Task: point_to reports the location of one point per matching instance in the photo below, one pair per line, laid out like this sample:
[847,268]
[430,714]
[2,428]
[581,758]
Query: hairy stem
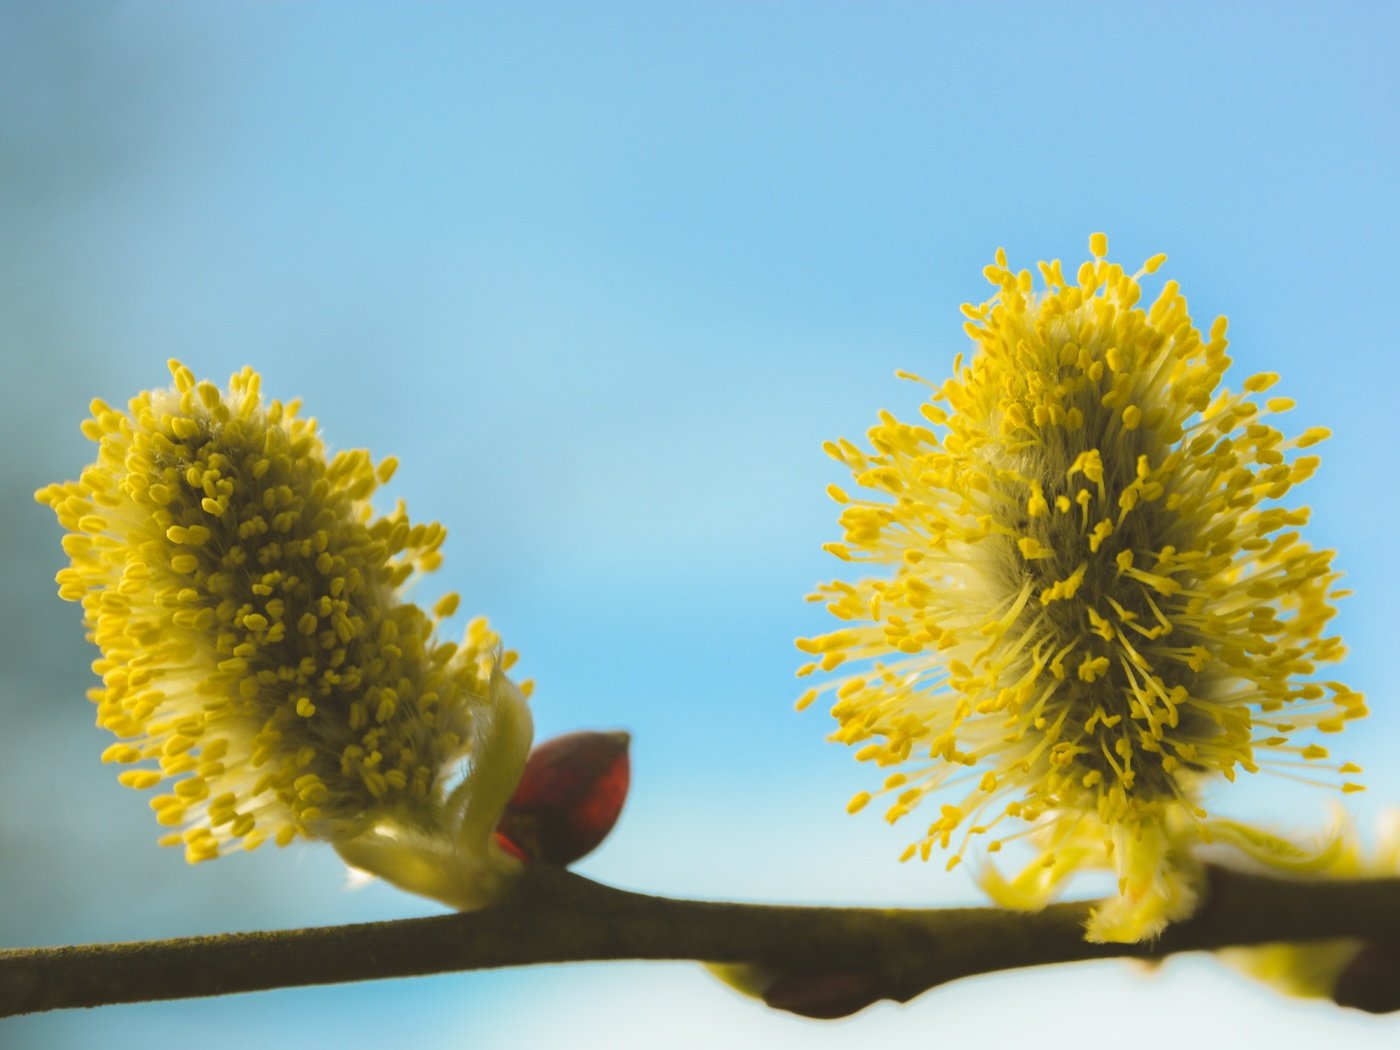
[557,917]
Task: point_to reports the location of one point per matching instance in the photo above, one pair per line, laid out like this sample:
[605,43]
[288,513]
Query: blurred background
[604,276]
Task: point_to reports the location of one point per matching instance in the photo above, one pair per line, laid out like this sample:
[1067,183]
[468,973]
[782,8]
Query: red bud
[1372,980]
[826,994]
[569,797]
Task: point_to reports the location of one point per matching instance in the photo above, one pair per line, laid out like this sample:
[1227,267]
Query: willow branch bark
[557,917]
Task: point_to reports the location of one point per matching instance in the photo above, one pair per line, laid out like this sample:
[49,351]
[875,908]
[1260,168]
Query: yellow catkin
[257,660]
[1163,626]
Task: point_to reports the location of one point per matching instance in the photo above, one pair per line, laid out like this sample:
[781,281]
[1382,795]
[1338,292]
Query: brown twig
[558,917]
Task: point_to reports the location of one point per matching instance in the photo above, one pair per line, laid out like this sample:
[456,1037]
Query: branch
[554,916]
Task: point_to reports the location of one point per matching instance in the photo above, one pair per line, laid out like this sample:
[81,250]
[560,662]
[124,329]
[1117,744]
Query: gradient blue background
[604,277]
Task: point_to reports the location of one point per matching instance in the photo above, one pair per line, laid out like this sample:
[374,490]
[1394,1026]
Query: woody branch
[556,917]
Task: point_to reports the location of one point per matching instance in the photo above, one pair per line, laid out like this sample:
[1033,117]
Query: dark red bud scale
[827,994]
[569,797]
[1372,981]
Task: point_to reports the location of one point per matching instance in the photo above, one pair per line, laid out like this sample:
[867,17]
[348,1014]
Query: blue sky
[604,277]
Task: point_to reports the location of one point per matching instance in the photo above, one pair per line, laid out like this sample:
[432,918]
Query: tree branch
[555,917]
